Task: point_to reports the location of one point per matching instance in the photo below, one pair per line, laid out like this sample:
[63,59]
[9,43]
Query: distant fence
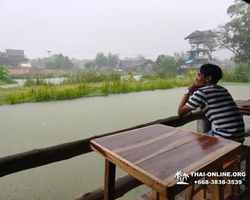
[39,71]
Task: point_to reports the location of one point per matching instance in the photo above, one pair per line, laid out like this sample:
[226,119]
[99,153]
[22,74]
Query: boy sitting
[216,103]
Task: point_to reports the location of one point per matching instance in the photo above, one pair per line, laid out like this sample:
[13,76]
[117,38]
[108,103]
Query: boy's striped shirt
[220,108]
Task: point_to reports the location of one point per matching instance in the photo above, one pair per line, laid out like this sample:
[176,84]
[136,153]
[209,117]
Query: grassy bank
[53,92]
[233,83]
[7,81]
[92,83]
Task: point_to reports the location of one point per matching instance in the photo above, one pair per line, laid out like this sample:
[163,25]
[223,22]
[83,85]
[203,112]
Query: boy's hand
[192,88]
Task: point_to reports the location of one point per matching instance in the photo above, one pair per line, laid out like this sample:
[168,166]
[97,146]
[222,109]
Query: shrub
[92,77]
[229,76]
[242,72]
[32,81]
[4,74]
[165,74]
[148,77]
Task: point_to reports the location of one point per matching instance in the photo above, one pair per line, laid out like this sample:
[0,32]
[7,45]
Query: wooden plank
[244,106]
[206,168]
[134,137]
[164,165]
[216,159]
[242,103]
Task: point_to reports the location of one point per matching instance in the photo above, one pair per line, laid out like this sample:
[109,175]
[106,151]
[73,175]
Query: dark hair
[211,70]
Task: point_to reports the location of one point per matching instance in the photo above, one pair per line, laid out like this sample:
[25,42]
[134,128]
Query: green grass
[38,91]
[90,84]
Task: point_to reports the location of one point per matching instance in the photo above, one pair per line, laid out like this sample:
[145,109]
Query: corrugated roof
[200,33]
[133,63]
[14,52]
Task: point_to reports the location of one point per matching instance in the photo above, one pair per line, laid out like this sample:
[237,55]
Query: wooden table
[244,106]
[153,155]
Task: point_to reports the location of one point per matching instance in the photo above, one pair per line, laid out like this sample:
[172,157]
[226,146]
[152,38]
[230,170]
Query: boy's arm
[183,109]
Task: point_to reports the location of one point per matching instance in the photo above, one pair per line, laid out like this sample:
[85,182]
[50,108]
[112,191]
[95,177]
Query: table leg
[236,188]
[109,182]
[247,171]
[218,190]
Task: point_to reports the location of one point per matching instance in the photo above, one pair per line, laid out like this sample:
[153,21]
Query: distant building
[17,59]
[38,66]
[143,65]
[201,48]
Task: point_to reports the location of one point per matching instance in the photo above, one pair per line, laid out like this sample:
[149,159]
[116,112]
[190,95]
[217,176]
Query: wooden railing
[39,157]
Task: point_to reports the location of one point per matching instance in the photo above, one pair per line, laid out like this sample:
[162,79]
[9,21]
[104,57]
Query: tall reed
[51,92]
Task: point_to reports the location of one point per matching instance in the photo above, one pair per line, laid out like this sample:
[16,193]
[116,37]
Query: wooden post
[109,182]
[203,125]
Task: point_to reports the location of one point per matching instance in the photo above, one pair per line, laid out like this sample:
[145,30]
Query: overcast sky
[81,28]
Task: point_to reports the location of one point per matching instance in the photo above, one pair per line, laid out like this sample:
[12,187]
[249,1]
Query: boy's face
[202,81]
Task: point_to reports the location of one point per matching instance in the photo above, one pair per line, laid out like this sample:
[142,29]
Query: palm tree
[181,176]
[185,176]
[178,175]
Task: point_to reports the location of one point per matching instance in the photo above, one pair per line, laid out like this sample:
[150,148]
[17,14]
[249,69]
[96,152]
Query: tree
[113,60]
[3,58]
[54,62]
[139,57]
[61,62]
[235,35]
[89,65]
[165,63]
[42,61]
[181,56]
[4,73]
[127,58]
[78,63]
[101,60]
[10,63]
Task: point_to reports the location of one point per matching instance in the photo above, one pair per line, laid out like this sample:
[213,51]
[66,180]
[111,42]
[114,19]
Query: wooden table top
[153,154]
[244,106]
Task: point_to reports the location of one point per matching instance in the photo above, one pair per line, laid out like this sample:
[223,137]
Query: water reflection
[209,143]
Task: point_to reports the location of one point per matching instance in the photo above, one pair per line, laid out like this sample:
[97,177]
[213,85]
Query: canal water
[38,125]
[20,82]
